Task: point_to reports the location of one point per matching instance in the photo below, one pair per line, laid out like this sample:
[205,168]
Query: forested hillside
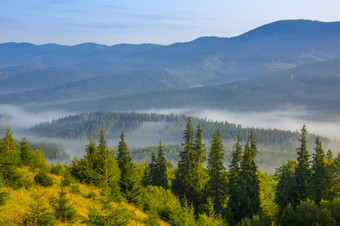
[85,125]
[200,190]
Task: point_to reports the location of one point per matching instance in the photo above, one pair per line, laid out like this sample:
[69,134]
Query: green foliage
[38,161]
[38,213]
[43,179]
[234,184]
[58,169]
[157,170]
[4,196]
[308,213]
[62,210]
[25,154]
[302,171]
[285,193]
[249,193]
[320,178]
[119,216]
[190,177]
[217,184]
[160,201]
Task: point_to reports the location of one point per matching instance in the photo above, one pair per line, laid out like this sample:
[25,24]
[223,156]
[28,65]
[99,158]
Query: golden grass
[13,212]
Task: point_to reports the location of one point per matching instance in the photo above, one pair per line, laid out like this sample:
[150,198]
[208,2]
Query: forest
[199,190]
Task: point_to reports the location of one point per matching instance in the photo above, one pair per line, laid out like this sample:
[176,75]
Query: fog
[289,118]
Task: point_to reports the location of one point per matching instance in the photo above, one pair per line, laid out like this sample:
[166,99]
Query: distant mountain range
[285,62]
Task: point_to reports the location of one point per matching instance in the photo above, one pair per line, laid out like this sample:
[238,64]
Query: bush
[43,179]
[3,197]
[14,179]
[58,169]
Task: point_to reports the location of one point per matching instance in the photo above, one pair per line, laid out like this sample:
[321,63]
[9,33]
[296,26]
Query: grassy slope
[13,211]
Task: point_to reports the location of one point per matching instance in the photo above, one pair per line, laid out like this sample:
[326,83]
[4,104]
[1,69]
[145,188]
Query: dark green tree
[249,182]
[183,183]
[123,157]
[153,168]
[285,175]
[234,205]
[62,209]
[302,172]
[38,213]
[319,176]
[25,152]
[161,175]
[129,182]
[216,185]
[199,172]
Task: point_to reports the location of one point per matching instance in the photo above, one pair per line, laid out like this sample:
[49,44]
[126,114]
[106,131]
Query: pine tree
[26,153]
[62,210]
[199,173]
[285,193]
[128,182]
[153,168]
[216,185]
[183,184]
[38,213]
[234,206]
[319,176]
[249,182]
[302,172]
[123,158]
[161,178]
[9,155]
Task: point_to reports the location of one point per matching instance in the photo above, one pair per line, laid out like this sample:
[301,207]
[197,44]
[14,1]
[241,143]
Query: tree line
[200,190]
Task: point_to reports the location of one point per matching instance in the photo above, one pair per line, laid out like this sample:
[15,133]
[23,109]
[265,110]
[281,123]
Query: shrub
[43,179]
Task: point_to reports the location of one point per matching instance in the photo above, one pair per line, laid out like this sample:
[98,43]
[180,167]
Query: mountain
[241,72]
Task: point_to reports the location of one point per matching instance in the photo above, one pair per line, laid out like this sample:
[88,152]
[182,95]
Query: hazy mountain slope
[88,71]
[314,86]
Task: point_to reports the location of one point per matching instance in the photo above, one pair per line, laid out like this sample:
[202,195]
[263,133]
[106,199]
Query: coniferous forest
[105,187]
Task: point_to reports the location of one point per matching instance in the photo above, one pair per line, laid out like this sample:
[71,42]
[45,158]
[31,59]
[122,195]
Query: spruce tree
[216,185]
[183,184]
[161,178]
[153,168]
[62,210]
[234,205]
[249,182]
[25,152]
[38,213]
[129,183]
[199,173]
[123,158]
[302,172]
[319,176]
[285,188]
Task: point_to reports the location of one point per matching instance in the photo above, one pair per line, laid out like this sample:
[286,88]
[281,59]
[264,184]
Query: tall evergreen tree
[285,188]
[183,183]
[319,176]
[216,185]
[234,206]
[62,210]
[9,155]
[302,172]
[25,152]
[249,182]
[129,183]
[123,158]
[161,175]
[199,177]
[153,168]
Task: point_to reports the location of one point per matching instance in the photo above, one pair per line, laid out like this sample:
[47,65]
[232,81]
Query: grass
[13,212]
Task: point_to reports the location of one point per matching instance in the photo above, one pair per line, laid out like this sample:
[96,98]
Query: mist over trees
[301,192]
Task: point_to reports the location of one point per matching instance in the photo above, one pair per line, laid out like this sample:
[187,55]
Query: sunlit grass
[13,212]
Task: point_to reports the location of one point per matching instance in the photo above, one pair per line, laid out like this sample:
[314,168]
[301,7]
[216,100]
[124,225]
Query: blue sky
[147,21]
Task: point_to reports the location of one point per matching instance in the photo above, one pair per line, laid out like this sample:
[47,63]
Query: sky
[110,22]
